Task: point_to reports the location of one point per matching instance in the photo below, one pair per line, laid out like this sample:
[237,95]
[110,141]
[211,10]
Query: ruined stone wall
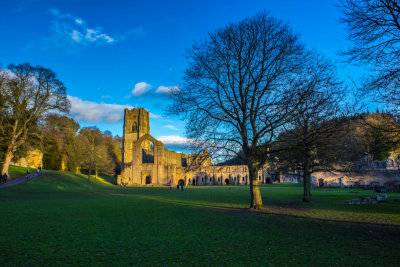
[147,161]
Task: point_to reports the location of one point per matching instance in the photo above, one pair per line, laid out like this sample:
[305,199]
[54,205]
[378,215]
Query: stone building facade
[145,160]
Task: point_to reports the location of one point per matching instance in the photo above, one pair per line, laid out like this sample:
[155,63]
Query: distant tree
[96,156]
[241,86]
[51,154]
[28,93]
[377,136]
[117,154]
[64,130]
[76,153]
[103,162]
[114,152]
[374,28]
[307,145]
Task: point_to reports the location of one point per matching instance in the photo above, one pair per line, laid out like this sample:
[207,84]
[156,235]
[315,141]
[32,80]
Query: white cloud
[171,127]
[105,96]
[76,36]
[155,116]
[79,21]
[141,88]
[92,112]
[173,140]
[167,89]
[75,29]
[96,34]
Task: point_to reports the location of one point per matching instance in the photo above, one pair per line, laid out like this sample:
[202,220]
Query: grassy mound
[61,218]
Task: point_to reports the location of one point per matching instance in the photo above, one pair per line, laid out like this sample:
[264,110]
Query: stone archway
[181,181]
[148,179]
[226,181]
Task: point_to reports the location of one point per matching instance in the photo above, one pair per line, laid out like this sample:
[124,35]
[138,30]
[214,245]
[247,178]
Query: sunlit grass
[61,218]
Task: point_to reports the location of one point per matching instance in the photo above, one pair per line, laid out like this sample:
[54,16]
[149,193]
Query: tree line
[33,109]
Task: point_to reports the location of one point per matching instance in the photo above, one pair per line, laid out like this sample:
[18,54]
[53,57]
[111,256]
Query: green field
[61,219]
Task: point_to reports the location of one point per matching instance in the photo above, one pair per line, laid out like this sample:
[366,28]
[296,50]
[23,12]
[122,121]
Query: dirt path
[21,179]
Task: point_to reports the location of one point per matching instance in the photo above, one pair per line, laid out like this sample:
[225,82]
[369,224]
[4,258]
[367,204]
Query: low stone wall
[358,179]
[367,200]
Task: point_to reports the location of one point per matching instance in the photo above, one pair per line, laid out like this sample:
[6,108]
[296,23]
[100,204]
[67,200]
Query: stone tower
[136,124]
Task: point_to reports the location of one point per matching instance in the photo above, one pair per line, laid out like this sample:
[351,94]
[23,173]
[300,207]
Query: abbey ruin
[145,160]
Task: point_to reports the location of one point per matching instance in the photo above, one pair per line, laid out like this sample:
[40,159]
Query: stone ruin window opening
[147,151]
[134,127]
[226,181]
[148,179]
[151,146]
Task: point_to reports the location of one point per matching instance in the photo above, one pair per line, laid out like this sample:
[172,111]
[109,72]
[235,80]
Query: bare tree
[241,86]
[374,28]
[307,144]
[28,93]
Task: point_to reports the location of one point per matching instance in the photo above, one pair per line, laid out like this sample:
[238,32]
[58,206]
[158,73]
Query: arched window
[147,151]
[134,127]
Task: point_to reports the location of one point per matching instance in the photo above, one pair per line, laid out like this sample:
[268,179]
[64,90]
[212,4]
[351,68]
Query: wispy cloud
[166,89]
[155,116]
[75,29]
[171,127]
[92,112]
[173,140]
[73,32]
[141,88]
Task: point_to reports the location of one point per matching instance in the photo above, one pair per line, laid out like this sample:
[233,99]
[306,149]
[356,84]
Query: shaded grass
[61,218]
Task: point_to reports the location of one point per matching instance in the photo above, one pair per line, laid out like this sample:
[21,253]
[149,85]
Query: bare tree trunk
[307,185]
[255,195]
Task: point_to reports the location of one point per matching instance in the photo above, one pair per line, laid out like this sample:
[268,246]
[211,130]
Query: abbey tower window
[134,127]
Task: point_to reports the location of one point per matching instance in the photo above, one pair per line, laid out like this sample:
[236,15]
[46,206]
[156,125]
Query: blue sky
[117,54]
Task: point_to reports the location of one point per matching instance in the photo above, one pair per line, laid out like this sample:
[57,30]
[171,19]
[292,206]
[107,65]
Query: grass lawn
[61,219]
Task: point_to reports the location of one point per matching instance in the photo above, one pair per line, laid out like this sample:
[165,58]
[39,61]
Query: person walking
[27,175]
[182,184]
[170,188]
